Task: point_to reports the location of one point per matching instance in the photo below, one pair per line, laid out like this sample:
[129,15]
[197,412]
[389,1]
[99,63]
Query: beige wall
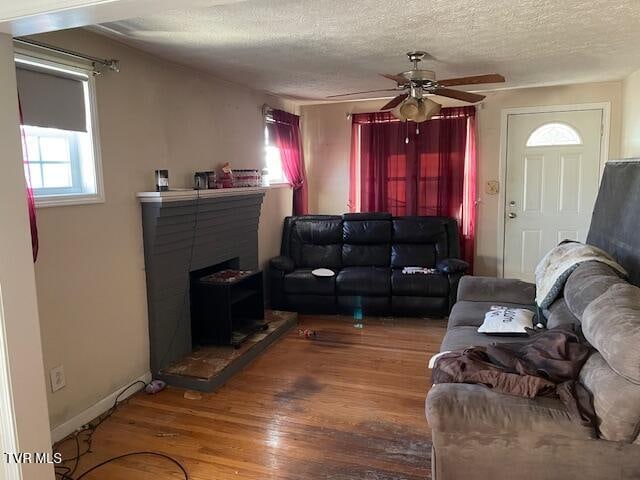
[326,136]
[22,381]
[90,273]
[630,138]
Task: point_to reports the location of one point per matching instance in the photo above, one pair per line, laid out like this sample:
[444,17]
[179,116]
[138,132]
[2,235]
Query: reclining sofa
[480,434]
[367,252]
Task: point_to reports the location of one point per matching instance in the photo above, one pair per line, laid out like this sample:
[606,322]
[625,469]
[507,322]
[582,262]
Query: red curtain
[417,169]
[285,128]
[31,204]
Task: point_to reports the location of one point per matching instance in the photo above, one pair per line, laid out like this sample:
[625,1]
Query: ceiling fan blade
[458,95]
[360,93]
[395,102]
[396,78]
[476,80]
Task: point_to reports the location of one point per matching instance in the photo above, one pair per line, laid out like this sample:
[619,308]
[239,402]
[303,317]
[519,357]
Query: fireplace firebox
[227,304]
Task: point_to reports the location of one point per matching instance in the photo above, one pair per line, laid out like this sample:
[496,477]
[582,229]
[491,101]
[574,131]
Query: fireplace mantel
[181,195]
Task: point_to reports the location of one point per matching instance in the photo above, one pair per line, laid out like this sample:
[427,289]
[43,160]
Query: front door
[552,178]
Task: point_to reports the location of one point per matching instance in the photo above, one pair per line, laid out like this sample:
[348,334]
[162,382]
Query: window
[62,159]
[272,157]
[553,134]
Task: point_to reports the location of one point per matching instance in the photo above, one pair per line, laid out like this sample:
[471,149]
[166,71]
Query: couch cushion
[421,230]
[586,283]
[318,256]
[321,231]
[371,281]
[316,243]
[496,290]
[418,242]
[473,409]
[413,255]
[615,399]
[303,281]
[366,232]
[435,285]
[611,323]
[471,314]
[365,255]
[459,338]
[559,314]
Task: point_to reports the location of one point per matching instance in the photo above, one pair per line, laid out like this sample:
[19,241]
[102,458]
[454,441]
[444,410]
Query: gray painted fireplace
[185,231]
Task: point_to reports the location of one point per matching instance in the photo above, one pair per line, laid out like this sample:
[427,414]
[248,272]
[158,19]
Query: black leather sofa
[367,251]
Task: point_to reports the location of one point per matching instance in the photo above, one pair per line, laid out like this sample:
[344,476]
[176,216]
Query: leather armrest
[452,265]
[476,409]
[282,263]
[498,290]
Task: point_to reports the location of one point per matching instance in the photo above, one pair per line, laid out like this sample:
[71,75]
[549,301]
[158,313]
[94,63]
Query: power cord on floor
[64,472]
[161,455]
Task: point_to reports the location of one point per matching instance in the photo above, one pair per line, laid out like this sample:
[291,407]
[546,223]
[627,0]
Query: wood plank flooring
[346,405]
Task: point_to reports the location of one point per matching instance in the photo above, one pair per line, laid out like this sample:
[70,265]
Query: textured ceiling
[308,49]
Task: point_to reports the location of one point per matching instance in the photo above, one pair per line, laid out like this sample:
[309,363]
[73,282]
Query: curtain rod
[110,63]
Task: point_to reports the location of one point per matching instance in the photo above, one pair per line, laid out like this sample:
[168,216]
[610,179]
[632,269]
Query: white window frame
[271,149]
[56,200]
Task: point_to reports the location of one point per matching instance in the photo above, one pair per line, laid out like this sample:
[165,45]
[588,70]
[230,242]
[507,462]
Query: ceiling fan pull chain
[406,140]
[417,129]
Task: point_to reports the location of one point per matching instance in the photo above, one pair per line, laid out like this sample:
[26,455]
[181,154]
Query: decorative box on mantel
[186,231]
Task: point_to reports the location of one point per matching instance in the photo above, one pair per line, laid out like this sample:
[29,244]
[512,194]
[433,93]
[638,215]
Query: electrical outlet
[57,378]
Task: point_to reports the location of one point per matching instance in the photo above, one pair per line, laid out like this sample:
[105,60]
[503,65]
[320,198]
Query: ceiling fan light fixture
[409,108]
[427,109]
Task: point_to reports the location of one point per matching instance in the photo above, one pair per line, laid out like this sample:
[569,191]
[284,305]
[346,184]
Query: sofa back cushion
[611,323]
[316,242]
[586,283]
[366,240]
[616,400]
[559,314]
[419,241]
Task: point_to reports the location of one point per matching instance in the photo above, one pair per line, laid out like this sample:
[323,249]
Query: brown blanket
[547,364]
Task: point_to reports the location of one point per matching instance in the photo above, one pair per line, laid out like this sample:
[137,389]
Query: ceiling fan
[416,83]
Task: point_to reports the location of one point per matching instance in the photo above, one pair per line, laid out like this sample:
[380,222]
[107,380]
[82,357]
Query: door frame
[502,167]
[8,432]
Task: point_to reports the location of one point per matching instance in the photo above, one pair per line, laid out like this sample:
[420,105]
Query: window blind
[51,98]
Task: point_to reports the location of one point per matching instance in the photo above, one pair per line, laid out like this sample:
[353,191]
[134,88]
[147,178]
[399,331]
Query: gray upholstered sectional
[479,434]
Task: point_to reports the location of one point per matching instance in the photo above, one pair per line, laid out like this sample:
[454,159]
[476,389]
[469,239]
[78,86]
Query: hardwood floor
[346,405]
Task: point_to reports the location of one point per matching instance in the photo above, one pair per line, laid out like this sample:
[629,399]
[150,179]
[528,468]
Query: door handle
[512,215]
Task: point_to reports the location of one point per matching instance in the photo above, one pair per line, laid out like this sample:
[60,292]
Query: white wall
[18,308]
[90,273]
[630,141]
[327,131]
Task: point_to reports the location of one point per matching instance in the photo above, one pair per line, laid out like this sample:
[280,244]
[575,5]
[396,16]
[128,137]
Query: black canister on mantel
[200,181]
[162,180]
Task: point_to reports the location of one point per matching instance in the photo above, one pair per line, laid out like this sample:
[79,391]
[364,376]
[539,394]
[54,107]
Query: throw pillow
[506,321]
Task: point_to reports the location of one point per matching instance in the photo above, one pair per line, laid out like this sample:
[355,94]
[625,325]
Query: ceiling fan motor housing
[422,78]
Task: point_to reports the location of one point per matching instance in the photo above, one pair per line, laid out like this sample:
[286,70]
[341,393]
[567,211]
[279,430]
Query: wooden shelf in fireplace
[227,312]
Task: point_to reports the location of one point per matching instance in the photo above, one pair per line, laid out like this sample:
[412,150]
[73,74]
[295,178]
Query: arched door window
[553,134]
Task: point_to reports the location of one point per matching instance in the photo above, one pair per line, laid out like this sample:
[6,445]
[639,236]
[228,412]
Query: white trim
[506,112]
[73,424]
[280,185]
[63,200]
[8,430]
[186,194]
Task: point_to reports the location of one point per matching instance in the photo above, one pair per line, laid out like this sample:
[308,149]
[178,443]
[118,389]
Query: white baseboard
[71,425]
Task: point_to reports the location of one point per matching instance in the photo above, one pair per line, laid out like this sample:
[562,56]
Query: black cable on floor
[162,455]
[64,472]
